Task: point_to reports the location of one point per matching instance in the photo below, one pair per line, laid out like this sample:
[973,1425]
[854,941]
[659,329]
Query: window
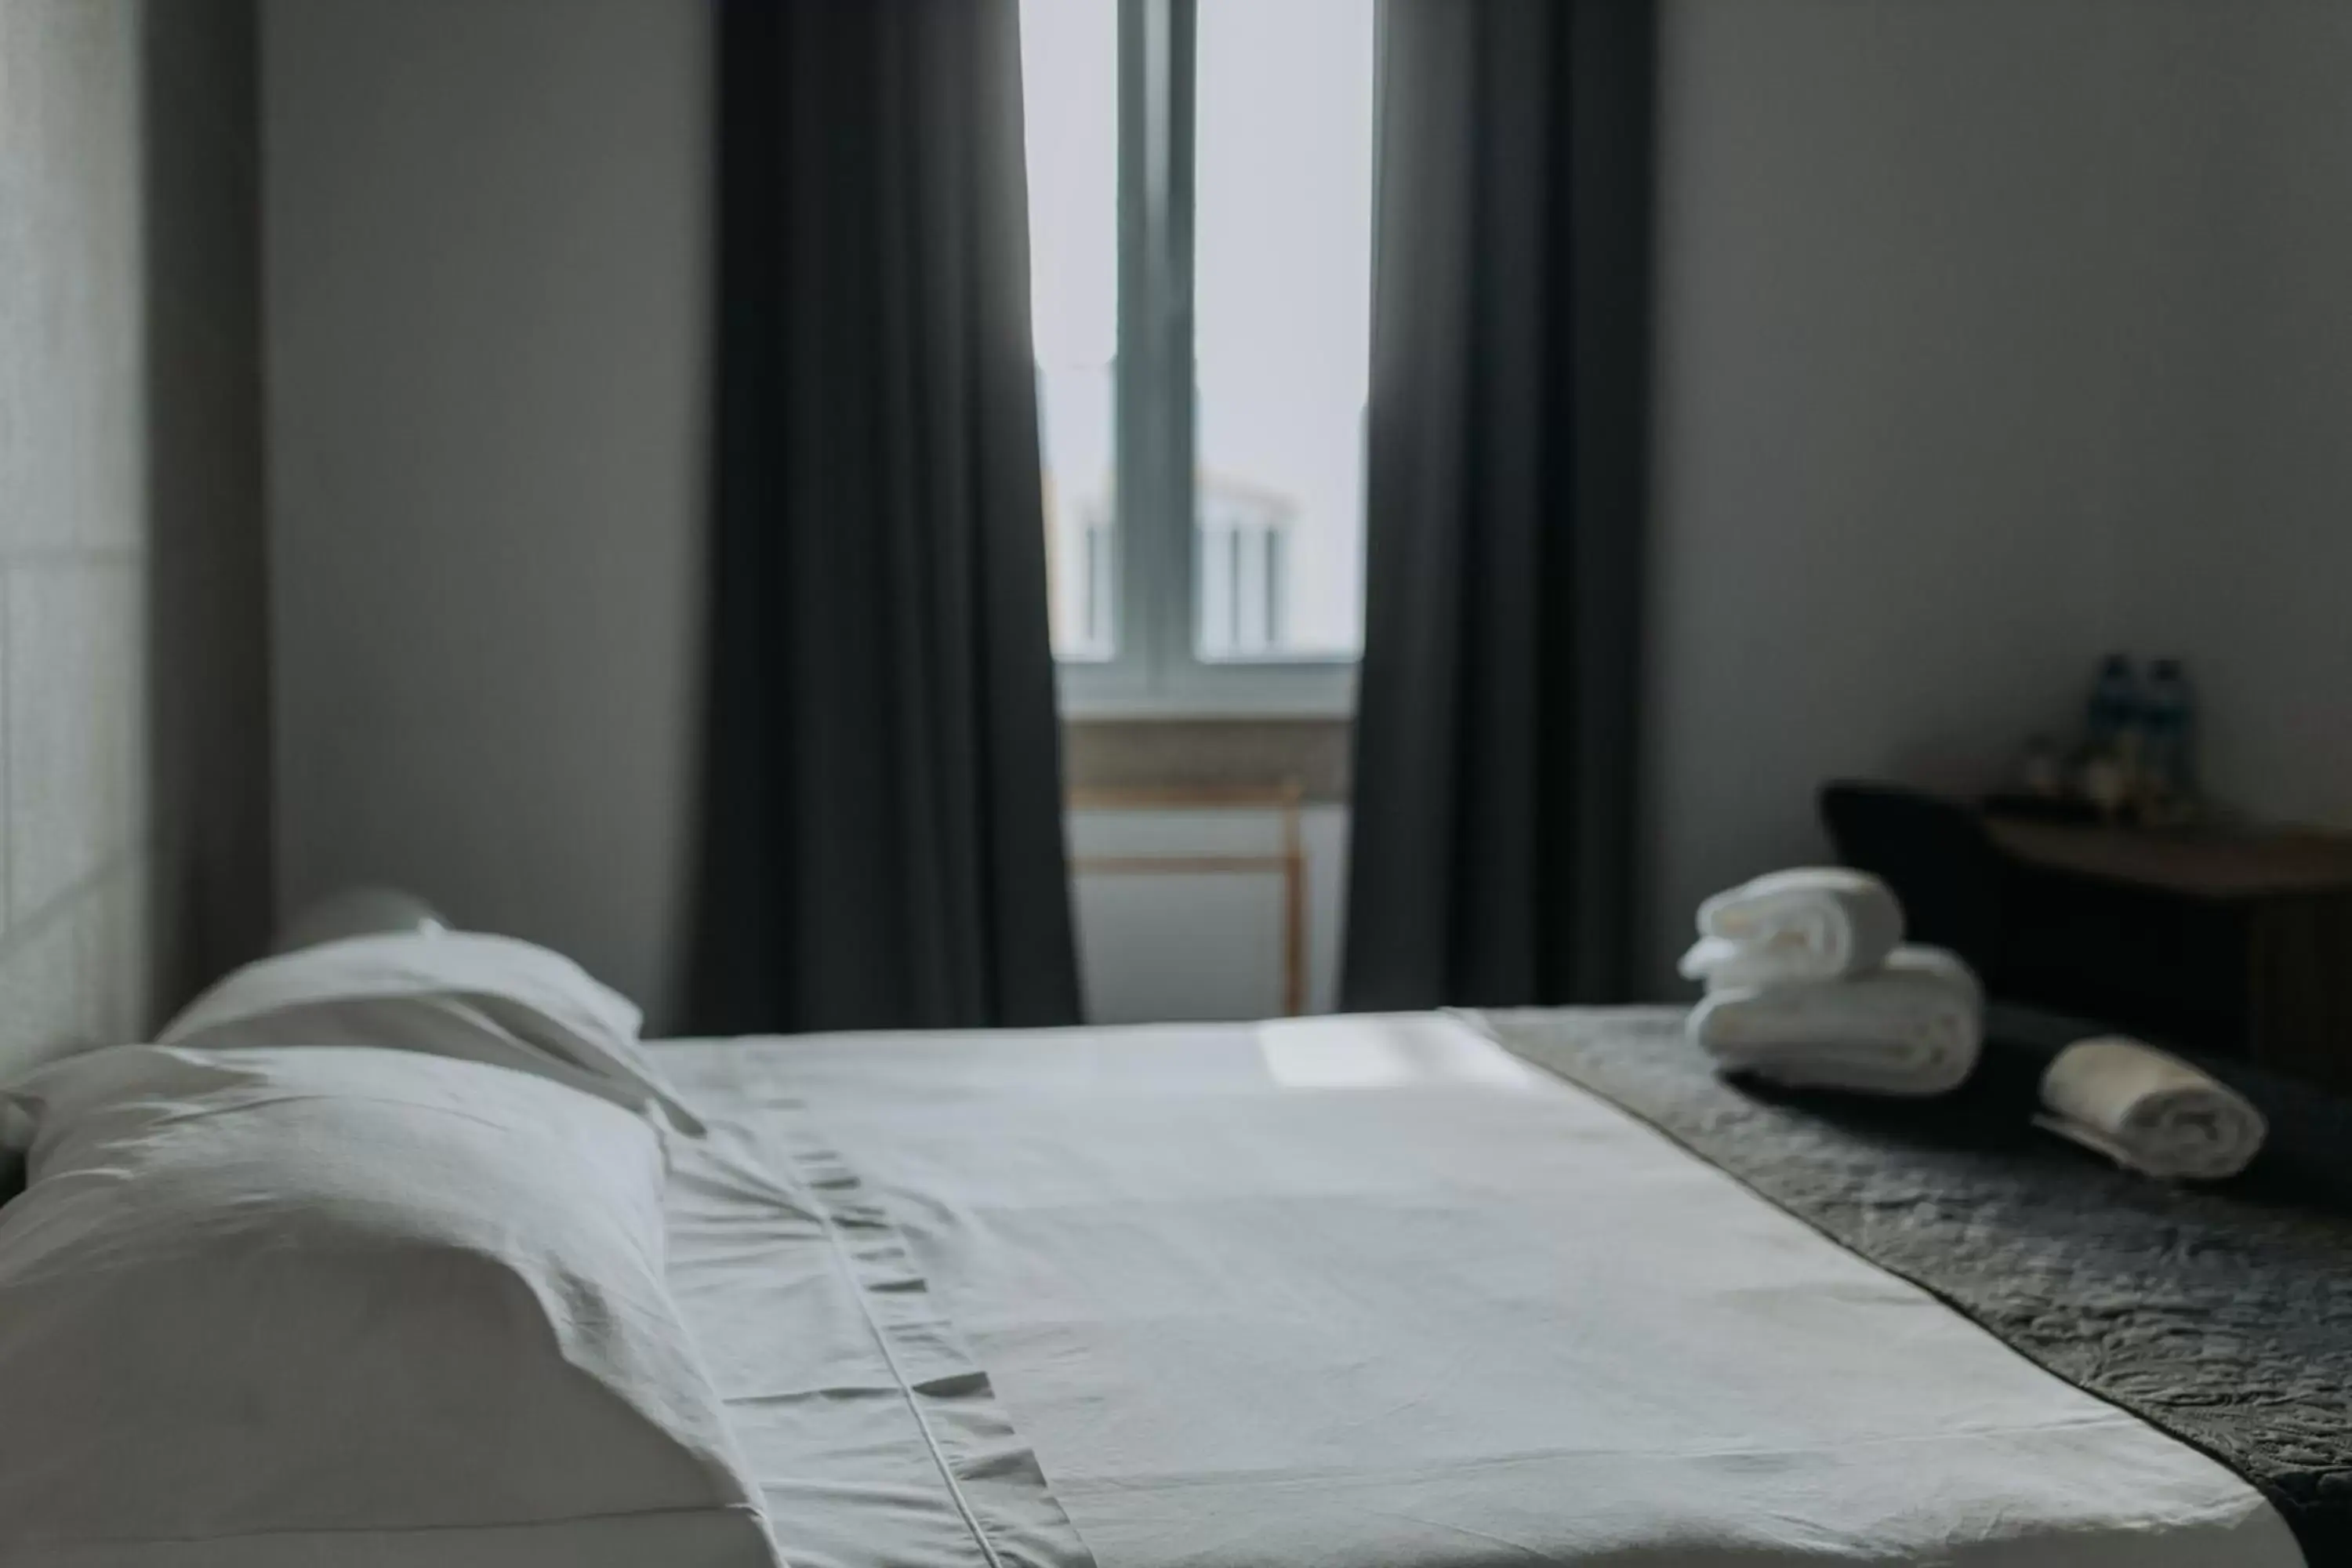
[1200,195]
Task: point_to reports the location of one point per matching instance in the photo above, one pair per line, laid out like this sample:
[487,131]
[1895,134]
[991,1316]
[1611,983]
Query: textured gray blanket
[2222,1315]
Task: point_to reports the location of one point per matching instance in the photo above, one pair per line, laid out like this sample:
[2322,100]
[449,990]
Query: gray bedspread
[2222,1315]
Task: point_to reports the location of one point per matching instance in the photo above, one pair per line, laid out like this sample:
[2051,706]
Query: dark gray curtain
[1495,737]
[882,839]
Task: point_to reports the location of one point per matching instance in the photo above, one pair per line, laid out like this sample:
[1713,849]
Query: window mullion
[1180,600]
[1135,438]
[1155,369]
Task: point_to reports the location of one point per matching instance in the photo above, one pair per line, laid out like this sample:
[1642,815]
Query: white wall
[73,525]
[1992,336]
[2251,580]
[487,253]
[129,451]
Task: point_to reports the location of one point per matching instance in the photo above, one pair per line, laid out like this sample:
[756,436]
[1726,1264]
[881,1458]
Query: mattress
[1345,1291]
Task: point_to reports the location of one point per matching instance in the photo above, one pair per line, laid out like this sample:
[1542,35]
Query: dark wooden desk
[2232,942]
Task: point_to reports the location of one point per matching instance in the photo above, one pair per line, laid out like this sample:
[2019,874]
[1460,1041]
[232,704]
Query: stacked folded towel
[1808,984]
[2149,1111]
[1817,922]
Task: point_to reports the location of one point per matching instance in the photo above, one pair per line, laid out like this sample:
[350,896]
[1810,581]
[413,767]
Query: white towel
[1914,1026]
[2149,1111]
[1912,958]
[1816,923]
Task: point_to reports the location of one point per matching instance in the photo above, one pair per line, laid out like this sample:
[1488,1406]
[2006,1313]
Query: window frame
[1155,669]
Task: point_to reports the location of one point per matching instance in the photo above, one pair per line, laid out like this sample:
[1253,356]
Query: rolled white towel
[1816,923]
[2149,1111]
[1914,1026]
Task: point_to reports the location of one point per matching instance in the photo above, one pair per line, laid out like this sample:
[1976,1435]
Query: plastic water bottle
[2167,724]
[2114,710]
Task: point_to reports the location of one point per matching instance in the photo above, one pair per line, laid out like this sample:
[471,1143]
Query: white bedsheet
[1350,1293]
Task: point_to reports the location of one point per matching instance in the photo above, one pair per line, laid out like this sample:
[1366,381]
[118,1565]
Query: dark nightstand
[2238,941]
[2235,942]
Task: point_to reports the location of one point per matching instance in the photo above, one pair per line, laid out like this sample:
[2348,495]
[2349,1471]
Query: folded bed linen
[1345,1292]
[1814,922]
[1912,1026]
[2149,1111]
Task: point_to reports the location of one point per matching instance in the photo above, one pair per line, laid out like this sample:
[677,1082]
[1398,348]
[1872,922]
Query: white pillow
[348,1306]
[465,995]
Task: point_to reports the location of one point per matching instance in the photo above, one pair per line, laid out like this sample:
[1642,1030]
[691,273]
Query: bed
[404,1249]
[1358,1291]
